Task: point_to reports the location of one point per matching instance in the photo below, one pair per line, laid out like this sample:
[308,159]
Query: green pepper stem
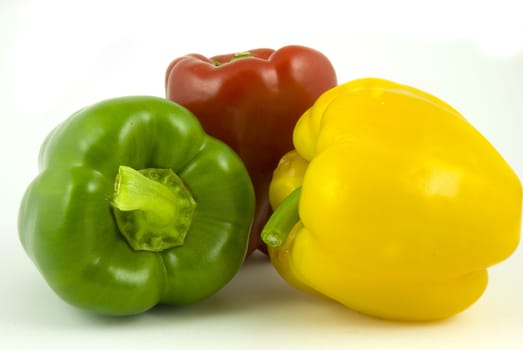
[282,220]
[152,207]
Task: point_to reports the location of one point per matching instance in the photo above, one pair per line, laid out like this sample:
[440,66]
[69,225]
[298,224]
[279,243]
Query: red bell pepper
[252,101]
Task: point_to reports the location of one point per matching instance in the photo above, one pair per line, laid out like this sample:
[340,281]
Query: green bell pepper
[136,205]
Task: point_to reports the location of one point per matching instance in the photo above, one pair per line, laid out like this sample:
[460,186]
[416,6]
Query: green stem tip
[153,208]
[237,56]
[282,220]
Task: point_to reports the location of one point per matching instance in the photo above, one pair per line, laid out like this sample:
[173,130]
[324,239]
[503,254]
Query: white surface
[58,56]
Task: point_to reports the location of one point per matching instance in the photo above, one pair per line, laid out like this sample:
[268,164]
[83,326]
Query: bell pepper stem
[152,207]
[282,220]
[235,57]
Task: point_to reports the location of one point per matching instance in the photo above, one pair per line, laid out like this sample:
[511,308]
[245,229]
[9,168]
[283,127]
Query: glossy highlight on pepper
[391,204]
[135,205]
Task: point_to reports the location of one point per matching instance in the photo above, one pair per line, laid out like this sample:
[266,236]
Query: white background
[58,56]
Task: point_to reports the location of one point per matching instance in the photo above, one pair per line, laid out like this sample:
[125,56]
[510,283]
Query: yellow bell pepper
[391,204]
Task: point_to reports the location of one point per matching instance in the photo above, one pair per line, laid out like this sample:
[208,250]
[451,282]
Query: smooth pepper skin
[67,220]
[251,101]
[391,203]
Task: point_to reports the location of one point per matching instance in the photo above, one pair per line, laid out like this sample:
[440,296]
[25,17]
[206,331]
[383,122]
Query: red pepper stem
[282,220]
[237,56]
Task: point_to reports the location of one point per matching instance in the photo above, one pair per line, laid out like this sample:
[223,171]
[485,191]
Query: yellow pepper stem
[282,220]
